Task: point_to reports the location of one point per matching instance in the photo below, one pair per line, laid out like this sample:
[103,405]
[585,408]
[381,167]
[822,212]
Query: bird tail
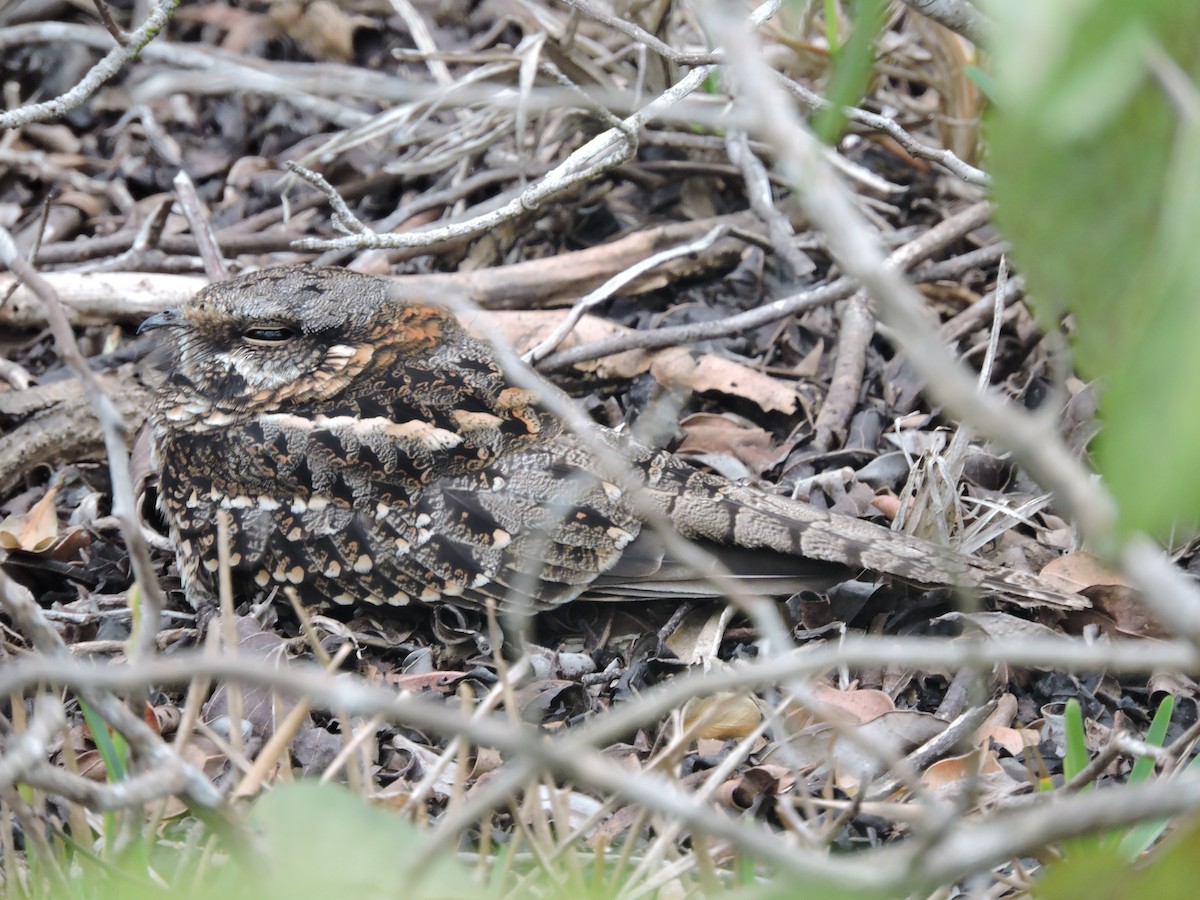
[731,514]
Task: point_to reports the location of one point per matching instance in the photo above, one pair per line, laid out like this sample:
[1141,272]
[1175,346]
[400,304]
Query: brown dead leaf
[747,791]
[998,626]
[551,699]
[1001,715]
[698,638]
[708,746]
[956,769]
[863,705]
[262,709]
[709,372]
[1118,610]
[722,716]
[441,682]
[91,765]
[1072,572]
[730,435]
[321,29]
[997,729]
[34,531]
[1161,683]
[313,749]
[524,329]
[1014,740]
[575,807]
[486,760]
[409,763]
[810,366]
[617,824]
[888,504]
[891,735]
[203,754]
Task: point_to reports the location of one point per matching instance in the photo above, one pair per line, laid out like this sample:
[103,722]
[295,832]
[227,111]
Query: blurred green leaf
[1103,874]
[111,746]
[1097,180]
[320,840]
[1132,842]
[1076,758]
[1090,874]
[1156,736]
[853,63]
[1142,836]
[784,889]
[983,80]
[831,30]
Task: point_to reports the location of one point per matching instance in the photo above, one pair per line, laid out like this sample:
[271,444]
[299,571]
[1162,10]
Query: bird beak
[164,319]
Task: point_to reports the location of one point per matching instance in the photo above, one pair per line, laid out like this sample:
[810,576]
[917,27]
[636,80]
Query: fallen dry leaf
[1001,715]
[34,531]
[576,807]
[1162,683]
[1013,740]
[888,504]
[877,742]
[698,638]
[1118,610]
[439,682]
[709,372]
[998,626]
[670,366]
[810,366]
[863,705]
[722,716]
[954,769]
[1072,572]
[997,729]
[525,329]
[706,434]
[320,28]
[747,790]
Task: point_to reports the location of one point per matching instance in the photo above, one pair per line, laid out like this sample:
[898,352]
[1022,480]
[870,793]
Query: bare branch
[903,258]
[960,16]
[1032,440]
[602,153]
[123,501]
[96,76]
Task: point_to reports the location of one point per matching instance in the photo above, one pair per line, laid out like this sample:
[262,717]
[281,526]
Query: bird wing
[353,508]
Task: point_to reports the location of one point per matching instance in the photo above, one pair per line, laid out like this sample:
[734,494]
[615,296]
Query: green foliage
[783,889]
[852,61]
[1141,837]
[1123,846]
[309,840]
[1103,874]
[1156,735]
[316,840]
[320,840]
[831,29]
[114,753]
[982,79]
[1076,758]
[1095,144]
[112,747]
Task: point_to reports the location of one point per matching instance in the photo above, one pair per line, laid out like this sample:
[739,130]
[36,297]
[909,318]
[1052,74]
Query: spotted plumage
[365,449]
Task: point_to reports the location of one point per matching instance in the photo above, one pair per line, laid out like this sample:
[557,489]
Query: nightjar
[366,449]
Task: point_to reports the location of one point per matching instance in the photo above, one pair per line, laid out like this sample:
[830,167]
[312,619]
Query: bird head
[289,335]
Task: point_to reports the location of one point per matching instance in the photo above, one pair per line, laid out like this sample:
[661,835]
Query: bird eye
[267,335]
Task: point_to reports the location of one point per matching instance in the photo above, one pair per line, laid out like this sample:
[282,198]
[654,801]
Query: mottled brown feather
[368,450]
